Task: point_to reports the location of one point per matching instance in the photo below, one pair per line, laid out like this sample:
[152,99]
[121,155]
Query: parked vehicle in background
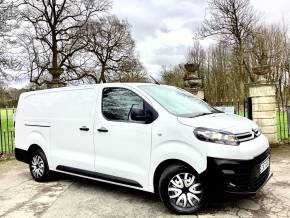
[150,137]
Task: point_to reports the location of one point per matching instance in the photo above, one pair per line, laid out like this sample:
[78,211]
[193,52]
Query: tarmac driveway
[20,196]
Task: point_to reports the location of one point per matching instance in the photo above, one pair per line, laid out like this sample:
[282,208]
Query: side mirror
[137,114]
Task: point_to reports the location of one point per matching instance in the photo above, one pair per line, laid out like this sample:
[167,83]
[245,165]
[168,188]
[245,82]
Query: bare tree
[196,55]
[109,40]
[172,75]
[221,80]
[232,21]
[7,24]
[131,70]
[54,37]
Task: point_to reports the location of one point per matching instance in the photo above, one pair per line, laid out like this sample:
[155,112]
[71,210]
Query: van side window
[117,102]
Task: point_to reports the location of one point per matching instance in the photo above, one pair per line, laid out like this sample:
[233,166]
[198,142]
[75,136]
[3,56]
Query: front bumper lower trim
[241,177]
[250,192]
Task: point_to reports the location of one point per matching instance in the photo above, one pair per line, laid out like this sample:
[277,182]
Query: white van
[150,137]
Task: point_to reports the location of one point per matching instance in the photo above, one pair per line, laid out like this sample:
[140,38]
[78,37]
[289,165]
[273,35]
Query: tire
[38,166]
[181,190]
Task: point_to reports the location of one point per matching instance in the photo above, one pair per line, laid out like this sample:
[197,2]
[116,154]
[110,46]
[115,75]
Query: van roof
[85,87]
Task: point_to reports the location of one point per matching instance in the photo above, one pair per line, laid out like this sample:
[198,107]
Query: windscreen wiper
[197,114]
[203,114]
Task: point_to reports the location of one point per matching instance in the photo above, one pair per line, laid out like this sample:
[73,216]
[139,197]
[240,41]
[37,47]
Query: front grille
[242,182]
[246,136]
[242,137]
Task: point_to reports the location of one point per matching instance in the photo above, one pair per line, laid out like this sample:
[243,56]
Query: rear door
[122,146]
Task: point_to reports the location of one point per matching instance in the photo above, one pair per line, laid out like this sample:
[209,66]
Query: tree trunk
[102,76]
[242,63]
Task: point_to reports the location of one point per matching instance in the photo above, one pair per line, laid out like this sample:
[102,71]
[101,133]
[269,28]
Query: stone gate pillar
[264,108]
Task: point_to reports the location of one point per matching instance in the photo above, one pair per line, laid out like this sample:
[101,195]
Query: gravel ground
[20,196]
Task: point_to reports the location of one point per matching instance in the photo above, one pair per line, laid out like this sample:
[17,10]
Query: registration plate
[264,165]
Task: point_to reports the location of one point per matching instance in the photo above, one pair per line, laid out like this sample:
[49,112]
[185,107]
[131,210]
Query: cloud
[273,11]
[163,29]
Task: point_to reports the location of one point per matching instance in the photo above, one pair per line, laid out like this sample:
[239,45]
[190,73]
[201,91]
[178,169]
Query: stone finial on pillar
[55,82]
[192,80]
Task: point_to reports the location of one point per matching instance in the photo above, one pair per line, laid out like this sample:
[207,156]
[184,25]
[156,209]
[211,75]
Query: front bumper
[237,176]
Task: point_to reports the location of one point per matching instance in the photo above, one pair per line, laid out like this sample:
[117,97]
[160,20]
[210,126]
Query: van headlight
[215,136]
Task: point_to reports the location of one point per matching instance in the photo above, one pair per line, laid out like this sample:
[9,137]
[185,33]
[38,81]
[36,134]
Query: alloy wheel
[37,166]
[185,191]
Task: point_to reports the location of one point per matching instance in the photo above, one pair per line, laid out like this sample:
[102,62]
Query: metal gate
[6,131]
[283,120]
[240,107]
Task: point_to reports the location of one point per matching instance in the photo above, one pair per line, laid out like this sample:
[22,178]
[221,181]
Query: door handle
[102,129]
[84,128]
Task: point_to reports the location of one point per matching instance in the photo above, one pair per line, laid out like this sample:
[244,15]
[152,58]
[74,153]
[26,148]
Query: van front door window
[117,103]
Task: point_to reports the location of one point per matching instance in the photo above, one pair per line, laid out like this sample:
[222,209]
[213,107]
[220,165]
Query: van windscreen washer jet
[156,138]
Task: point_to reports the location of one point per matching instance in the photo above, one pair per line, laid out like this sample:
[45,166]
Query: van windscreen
[178,101]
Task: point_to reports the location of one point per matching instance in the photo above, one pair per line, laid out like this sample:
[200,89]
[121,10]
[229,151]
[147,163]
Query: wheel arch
[34,147]
[25,155]
[37,139]
[174,152]
[162,166]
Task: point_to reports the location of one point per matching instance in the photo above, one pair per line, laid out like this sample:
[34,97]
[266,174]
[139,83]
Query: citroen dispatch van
[156,138]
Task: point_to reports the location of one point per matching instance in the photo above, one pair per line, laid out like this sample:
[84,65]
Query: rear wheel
[38,166]
[181,190]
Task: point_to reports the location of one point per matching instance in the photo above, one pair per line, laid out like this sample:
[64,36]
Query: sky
[163,29]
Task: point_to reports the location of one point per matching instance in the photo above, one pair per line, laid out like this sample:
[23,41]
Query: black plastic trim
[21,155]
[98,176]
[253,192]
[239,177]
[36,125]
